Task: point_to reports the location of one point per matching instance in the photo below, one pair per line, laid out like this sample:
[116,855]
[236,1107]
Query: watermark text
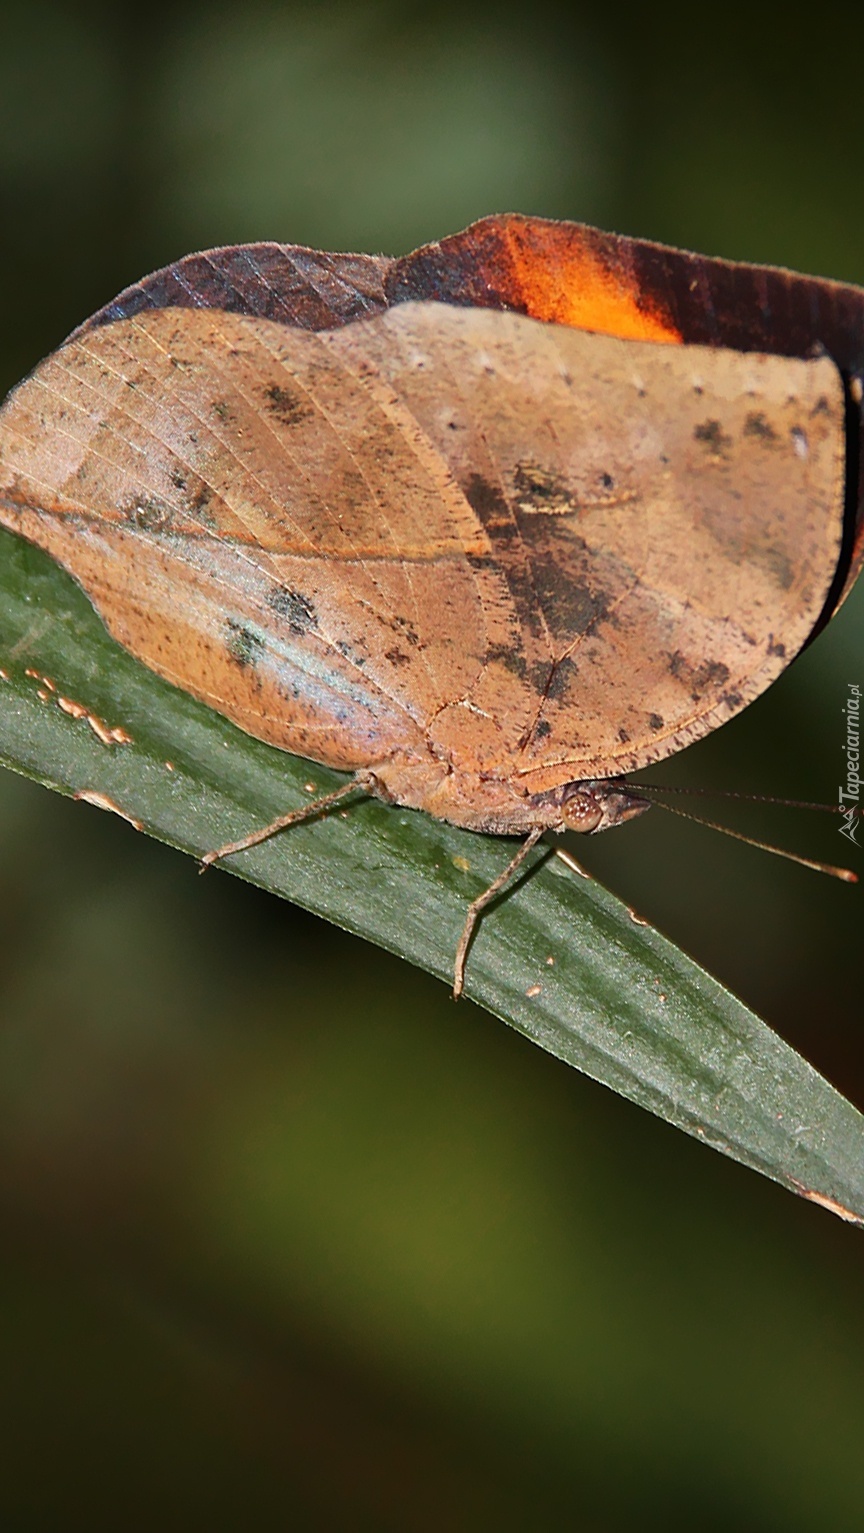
[850,794]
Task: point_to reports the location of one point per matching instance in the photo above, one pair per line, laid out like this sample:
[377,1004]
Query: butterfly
[489,526]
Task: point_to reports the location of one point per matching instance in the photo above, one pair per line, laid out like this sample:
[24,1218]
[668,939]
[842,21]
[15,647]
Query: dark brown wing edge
[309,289]
[513,262]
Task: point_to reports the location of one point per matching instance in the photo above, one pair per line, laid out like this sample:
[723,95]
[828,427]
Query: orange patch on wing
[576,286]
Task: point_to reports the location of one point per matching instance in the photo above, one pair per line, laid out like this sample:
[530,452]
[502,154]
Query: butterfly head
[598,805]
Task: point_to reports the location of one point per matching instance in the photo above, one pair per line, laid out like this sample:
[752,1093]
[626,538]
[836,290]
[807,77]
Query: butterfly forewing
[530,551]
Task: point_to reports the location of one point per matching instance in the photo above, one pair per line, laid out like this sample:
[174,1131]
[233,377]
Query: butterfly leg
[478,905]
[306,812]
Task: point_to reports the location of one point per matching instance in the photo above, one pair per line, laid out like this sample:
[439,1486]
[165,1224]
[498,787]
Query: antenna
[845,874]
[750,798]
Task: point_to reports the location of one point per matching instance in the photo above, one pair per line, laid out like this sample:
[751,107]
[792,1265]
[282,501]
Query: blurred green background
[289,1240]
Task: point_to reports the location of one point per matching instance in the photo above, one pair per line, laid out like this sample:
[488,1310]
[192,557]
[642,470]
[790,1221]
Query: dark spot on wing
[350,652]
[559,683]
[222,410]
[244,646]
[732,699]
[711,673]
[510,656]
[514,548]
[149,513]
[298,609]
[572,607]
[404,626]
[655,722]
[543,729]
[775,647]
[287,406]
[623,736]
[199,500]
[537,489]
[538,675]
[779,566]
[397,657]
[196,494]
[711,434]
[487,500]
[756,425]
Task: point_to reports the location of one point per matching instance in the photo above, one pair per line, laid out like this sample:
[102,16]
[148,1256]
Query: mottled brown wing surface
[255,523]
[437,531]
[668,521]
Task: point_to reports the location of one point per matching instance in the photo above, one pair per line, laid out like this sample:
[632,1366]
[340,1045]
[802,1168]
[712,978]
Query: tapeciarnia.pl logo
[850,795]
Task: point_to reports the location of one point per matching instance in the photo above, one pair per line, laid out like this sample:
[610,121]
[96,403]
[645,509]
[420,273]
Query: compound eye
[581,812]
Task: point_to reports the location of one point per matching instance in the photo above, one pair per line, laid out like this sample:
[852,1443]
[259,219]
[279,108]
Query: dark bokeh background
[289,1240]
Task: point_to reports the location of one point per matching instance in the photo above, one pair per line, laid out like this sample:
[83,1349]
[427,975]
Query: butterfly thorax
[498,805]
